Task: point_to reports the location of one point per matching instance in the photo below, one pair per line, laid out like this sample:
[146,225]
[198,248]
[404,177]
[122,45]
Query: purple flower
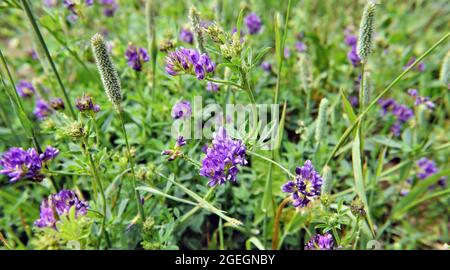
[266,66]
[57,205]
[50,3]
[49,154]
[182,109]
[306,185]
[401,112]
[300,46]
[180,142]
[253,23]
[419,67]
[136,56]
[72,18]
[109,7]
[427,168]
[212,87]
[421,100]
[89,2]
[320,242]
[42,109]
[175,151]
[223,158]
[20,164]
[353,57]
[351,41]
[386,105]
[85,104]
[189,61]
[287,52]
[34,55]
[354,101]
[70,5]
[186,35]
[57,104]
[25,89]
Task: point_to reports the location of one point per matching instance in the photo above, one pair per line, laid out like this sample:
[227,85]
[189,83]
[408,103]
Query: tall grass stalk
[350,129]
[98,182]
[32,20]
[151,39]
[111,83]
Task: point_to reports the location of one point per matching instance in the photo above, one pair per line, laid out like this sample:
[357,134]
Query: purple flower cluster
[253,23]
[351,41]
[212,87]
[57,104]
[223,158]
[25,89]
[50,3]
[421,100]
[427,168]
[57,205]
[401,112]
[42,109]
[109,7]
[300,46]
[72,7]
[306,186]
[186,35]
[320,242]
[266,66]
[182,109]
[20,164]
[189,61]
[135,56]
[419,67]
[85,104]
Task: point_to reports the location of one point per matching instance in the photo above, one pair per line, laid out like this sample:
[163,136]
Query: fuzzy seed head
[366,28]
[305,71]
[327,181]
[321,120]
[108,73]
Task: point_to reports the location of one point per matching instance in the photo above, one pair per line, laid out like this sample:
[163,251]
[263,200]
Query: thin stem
[47,54]
[273,162]
[97,130]
[221,244]
[198,207]
[276,225]
[131,162]
[98,182]
[349,130]
[224,82]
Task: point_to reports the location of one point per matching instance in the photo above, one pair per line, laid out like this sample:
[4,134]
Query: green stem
[131,162]
[273,162]
[98,182]
[195,209]
[47,54]
[350,129]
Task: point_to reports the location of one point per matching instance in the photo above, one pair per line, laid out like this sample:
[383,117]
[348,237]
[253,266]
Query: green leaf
[359,179]
[348,108]
[255,241]
[415,194]
[160,193]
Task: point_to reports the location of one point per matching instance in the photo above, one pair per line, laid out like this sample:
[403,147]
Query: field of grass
[224,124]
